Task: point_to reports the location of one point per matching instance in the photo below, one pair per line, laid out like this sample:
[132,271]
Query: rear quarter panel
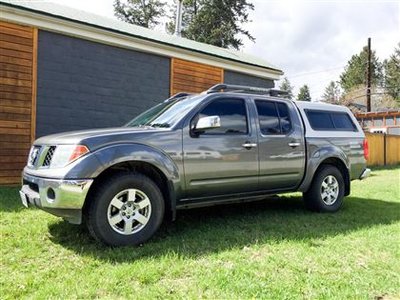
[321,145]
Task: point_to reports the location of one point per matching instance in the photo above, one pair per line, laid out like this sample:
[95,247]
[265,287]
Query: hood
[94,138]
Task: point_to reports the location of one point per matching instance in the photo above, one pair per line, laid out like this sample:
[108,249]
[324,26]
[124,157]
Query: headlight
[65,154]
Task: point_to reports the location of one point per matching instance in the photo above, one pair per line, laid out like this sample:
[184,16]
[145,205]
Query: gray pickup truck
[227,144]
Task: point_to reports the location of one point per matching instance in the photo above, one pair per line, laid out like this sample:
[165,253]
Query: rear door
[280,145]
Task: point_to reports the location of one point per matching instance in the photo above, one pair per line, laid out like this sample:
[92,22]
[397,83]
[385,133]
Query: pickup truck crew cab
[230,143]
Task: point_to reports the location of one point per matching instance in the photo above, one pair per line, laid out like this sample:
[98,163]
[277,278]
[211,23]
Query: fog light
[51,195]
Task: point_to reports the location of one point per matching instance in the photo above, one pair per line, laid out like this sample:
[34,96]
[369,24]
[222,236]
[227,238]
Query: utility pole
[369,77]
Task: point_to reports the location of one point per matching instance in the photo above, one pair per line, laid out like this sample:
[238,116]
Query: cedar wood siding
[192,77]
[17,98]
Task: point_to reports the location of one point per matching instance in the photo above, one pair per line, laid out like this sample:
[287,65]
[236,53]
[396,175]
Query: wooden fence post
[384,149]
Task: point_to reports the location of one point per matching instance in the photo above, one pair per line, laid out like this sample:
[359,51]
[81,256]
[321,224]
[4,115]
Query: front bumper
[60,197]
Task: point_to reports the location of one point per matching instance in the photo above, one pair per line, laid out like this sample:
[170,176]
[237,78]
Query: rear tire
[326,191]
[126,209]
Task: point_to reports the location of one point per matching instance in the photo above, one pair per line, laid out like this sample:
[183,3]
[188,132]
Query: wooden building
[63,69]
[387,122]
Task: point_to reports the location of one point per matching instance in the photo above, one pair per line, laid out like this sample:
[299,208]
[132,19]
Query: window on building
[378,121]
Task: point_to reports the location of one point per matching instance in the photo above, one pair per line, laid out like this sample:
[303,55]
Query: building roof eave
[117,37]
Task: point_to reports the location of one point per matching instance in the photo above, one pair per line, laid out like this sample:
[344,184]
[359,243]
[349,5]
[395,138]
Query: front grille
[32,186]
[49,156]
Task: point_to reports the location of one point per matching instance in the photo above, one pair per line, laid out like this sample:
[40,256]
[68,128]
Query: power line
[315,72]
[382,93]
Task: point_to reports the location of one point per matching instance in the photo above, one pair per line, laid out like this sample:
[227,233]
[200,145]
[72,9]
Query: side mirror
[208,123]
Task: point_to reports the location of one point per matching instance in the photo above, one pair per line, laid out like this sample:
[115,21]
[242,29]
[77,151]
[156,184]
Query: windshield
[165,114]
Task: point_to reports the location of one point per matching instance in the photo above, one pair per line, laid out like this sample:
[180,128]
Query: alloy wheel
[129,211]
[329,190]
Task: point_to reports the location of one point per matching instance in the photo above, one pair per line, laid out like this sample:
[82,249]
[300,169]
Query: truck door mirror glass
[206,123]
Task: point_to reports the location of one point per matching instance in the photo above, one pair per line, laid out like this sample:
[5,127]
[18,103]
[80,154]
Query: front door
[222,160]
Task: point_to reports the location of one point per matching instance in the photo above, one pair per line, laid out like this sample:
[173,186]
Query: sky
[311,41]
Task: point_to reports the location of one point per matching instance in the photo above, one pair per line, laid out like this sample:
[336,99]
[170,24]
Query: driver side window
[232,113]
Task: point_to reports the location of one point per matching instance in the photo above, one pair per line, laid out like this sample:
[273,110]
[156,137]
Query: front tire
[326,191]
[126,209]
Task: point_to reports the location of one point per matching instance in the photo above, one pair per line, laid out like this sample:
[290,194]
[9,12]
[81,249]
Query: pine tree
[304,93]
[144,13]
[332,93]
[215,22]
[285,86]
[392,74]
[355,72]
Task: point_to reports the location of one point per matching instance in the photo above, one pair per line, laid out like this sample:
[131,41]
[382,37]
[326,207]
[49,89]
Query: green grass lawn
[271,249]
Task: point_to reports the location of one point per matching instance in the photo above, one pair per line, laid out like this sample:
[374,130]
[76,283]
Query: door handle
[249,145]
[294,144]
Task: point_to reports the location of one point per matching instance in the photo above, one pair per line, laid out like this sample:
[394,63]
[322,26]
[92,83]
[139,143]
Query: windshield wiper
[160,125]
[142,126]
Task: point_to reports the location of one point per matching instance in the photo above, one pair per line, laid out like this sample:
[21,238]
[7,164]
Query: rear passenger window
[268,117]
[324,120]
[284,118]
[273,117]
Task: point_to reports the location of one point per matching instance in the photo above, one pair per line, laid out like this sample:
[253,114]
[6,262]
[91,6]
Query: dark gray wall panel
[83,84]
[244,79]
